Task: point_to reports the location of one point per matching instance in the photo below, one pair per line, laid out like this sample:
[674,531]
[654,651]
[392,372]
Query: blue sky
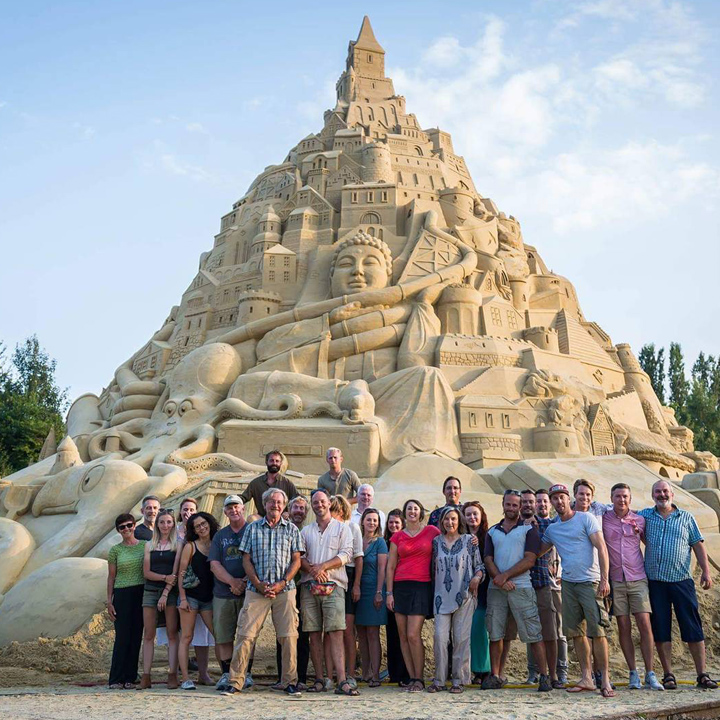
[128,128]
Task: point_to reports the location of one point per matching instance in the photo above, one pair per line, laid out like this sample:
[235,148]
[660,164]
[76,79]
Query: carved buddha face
[359,268]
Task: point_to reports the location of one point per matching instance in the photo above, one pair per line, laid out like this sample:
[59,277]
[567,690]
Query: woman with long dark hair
[195,589]
[409,587]
[477,524]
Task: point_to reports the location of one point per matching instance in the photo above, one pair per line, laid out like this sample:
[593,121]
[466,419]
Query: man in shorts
[226,564]
[577,536]
[670,534]
[542,584]
[511,549]
[323,584]
[623,531]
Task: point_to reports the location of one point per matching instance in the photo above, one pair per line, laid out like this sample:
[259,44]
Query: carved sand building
[361,294]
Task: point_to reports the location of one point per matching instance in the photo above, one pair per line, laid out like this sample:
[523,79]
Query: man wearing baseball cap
[226,563]
[578,539]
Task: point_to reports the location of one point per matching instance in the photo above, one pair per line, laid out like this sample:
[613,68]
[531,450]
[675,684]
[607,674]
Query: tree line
[31,404]
[695,399]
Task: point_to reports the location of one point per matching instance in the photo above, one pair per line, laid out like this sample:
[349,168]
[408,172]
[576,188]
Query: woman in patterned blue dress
[458,572]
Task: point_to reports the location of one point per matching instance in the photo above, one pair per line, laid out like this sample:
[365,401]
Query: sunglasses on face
[126,526]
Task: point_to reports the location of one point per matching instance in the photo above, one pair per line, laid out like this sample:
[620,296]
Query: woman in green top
[125,587]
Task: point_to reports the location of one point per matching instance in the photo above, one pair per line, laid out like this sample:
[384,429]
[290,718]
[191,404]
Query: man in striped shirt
[670,534]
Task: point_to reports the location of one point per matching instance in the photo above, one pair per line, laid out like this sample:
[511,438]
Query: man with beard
[273,478]
[150,509]
[511,549]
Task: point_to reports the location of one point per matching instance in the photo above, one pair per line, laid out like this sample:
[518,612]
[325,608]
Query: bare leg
[171,626]
[551,653]
[697,650]
[327,652]
[415,644]
[642,620]
[582,651]
[187,629]
[373,640]
[149,623]
[600,653]
[402,626]
[202,655]
[337,649]
[497,650]
[350,646]
[316,653]
[664,651]
[504,657]
[626,641]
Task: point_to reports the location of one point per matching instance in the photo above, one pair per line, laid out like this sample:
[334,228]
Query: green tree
[678,383]
[653,363]
[703,403]
[31,404]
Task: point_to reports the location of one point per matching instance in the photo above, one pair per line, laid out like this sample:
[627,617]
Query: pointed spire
[366,39]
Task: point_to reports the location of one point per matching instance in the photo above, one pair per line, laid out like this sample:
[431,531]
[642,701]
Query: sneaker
[223,683]
[292,691]
[562,676]
[249,682]
[634,682]
[188,685]
[532,678]
[651,682]
[492,682]
[231,691]
[544,684]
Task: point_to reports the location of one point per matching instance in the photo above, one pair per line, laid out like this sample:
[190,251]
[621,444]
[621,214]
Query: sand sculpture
[362,294]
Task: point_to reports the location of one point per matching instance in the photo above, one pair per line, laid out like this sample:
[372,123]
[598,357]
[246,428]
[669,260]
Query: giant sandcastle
[362,294]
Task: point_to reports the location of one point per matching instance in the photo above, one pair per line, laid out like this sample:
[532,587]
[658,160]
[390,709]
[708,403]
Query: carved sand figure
[362,294]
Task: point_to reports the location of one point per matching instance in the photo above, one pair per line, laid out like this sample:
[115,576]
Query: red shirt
[414,554]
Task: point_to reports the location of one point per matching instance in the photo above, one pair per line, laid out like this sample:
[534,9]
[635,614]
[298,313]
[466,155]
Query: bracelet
[379,592]
[388,592]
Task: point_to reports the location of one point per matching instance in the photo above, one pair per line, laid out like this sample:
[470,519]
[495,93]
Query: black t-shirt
[143,532]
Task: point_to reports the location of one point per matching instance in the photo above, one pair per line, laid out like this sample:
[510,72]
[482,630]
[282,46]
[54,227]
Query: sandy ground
[71,703]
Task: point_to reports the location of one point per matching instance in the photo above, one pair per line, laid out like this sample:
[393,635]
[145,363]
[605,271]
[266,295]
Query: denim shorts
[198,605]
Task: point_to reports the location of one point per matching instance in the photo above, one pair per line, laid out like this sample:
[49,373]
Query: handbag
[190,579]
[322,589]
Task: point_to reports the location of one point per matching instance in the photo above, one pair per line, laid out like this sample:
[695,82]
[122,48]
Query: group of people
[331,584]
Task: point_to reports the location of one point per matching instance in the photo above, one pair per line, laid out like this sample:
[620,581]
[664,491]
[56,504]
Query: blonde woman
[160,595]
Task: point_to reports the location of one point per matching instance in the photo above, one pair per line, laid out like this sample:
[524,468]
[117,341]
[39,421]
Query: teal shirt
[128,559]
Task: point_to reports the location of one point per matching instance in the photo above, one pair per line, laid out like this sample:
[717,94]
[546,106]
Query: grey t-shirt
[571,538]
[225,549]
[346,484]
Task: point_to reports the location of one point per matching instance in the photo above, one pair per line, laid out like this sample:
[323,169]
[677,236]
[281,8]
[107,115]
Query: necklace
[413,534]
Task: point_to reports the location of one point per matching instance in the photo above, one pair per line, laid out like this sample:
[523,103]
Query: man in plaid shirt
[670,534]
[542,582]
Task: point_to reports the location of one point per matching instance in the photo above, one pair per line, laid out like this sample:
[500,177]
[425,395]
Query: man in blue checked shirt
[670,533]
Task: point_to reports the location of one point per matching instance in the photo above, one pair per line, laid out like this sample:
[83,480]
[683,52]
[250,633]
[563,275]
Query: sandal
[374,683]
[345,688]
[435,687]
[705,682]
[669,682]
[417,685]
[457,689]
[116,686]
[129,686]
[318,686]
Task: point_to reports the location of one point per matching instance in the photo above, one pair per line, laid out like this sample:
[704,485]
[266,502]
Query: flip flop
[607,692]
[579,689]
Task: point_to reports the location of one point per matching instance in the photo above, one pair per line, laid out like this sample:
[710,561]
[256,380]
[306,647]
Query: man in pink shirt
[624,530]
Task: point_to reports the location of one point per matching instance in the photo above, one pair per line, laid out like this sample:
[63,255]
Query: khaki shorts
[630,597]
[256,609]
[548,613]
[225,618]
[322,613]
[584,613]
[522,603]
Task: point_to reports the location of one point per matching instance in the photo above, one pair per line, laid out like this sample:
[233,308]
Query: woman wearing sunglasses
[125,586]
